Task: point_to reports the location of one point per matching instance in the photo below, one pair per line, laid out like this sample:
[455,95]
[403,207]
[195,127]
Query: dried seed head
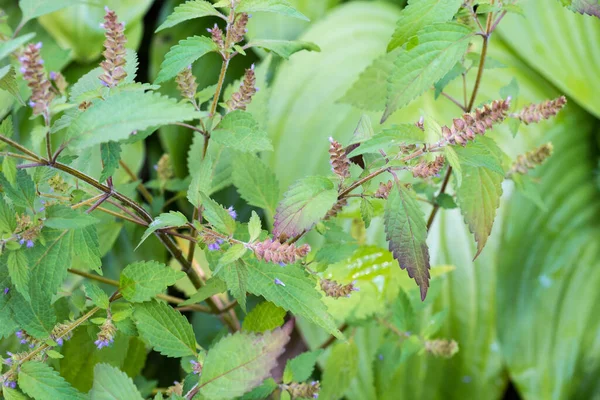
[114,53]
[186,84]
[238,29]
[272,250]
[465,129]
[164,168]
[340,164]
[425,169]
[441,347]
[217,36]
[537,112]
[531,159]
[303,390]
[337,290]
[240,99]
[335,210]
[384,190]
[32,67]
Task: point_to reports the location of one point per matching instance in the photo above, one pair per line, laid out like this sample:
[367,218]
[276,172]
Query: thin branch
[144,192]
[15,155]
[452,99]
[87,201]
[190,127]
[332,338]
[22,149]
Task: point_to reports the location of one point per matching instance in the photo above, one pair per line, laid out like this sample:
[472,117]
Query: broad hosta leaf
[213,286]
[96,295]
[11,45]
[439,48]
[141,281]
[479,193]
[264,317]
[110,153]
[303,205]
[22,193]
[339,371]
[255,182]
[300,368]
[112,384]
[41,382]
[119,115]
[283,48]
[297,294]
[240,362]
[167,331]
[240,131]
[171,219]
[272,6]
[419,14]
[184,54]
[189,10]
[62,217]
[217,216]
[589,7]
[36,8]
[406,232]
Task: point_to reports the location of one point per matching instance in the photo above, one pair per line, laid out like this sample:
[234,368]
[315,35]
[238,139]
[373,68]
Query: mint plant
[51,211]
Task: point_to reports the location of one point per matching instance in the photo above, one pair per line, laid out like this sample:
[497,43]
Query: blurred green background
[526,314]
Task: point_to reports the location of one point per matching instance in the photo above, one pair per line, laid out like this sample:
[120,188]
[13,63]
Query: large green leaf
[142,281]
[36,8]
[184,54]
[339,371]
[283,48]
[189,10]
[240,131]
[110,383]
[255,182]
[41,382]
[271,6]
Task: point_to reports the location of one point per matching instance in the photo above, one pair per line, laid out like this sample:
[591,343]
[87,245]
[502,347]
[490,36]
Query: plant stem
[15,155]
[452,99]
[22,149]
[436,206]
[145,193]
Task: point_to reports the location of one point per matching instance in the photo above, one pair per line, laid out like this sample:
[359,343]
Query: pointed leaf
[8,82]
[36,8]
[41,382]
[217,216]
[254,227]
[202,175]
[22,193]
[213,286]
[96,295]
[112,384]
[49,263]
[171,219]
[184,54]
[110,152]
[189,10]
[255,182]
[272,6]
[62,217]
[8,222]
[300,368]
[264,317]
[11,45]
[141,281]
[18,269]
[283,48]
[240,131]
[589,7]
[36,316]
[235,276]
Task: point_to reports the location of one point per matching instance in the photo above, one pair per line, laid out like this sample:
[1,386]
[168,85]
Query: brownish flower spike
[340,164]
[337,290]
[384,190]
[464,129]
[531,159]
[186,84]
[303,390]
[114,53]
[537,112]
[426,169]
[217,36]
[335,210]
[32,67]
[272,250]
[240,99]
[238,29]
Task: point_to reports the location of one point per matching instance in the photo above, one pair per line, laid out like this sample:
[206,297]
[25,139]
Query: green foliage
[213,286]
[40,381]
[184,54]
[142,281]
[217,216]
[189,10]
[264,317]
[96,295]
[173,219]
[300,368]
[111,383]
[256,183]
[240,131]
[36,8]
[272,6]
[22,192]
[589,7]
[110,153]
[341,367]
[283,48]
[60,217]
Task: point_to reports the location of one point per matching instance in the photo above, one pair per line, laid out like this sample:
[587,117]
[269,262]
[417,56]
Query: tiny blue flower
[232,212]
[278,282]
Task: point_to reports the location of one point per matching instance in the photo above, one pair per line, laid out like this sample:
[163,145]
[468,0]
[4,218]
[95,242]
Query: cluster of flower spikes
[113,65]
[238,29]
[338,159]
[537,112]
[32,67]
[531,159]
[240,99]
[186,84]
[337,290]
[425,169]
[465,128]
[272,250]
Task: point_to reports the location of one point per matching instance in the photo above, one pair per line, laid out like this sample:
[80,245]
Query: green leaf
[22,193]
[8,222]
[303,205]
[110,153]
[141,281]
[217,216]
[11,45]
[299,295]
[235,276]
[264,317]
[419,14]
[49,263]
[589,7]
[213,286]
[86,248]
[8,82]
[391,137]
[184,54]
[260,392]
[9,169]
[202,175]
[189,10]
[454,162]
[41,382]
[445,201]
[406,232]
[283,48]
[112,384]
[18,269]
[439,48]
[232,254]
[481,153]
[119,115]
[272,6]
[36,8]
[36,316]
[300,368]
[13,394]
[340,369]
[240,131]
[254,227]
[255,182]
[454,73]
[240,362]
[62,217]
[167,331]
[527,187]
[173,219]
[366,211]
[96,295]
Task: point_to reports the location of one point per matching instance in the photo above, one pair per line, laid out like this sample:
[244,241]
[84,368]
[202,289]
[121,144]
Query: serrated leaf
[36,316]
[255,182]
[11,45]
[8,82]
[391,137]
[232,254]
[141,281]
[22,193]
[271,6]
[202,174]
[217,216]
[340,369]
[299,295]
[454,162]
[589,7]
[110,153]
[18,269]
[300,368]
[9,169]
[49,263]
[213,286]
[240,131]
[13,394]
[116,117]
[41,382]
[86,248]
[454,73]
[62,217]
[264,317]
[8,222]
[366,211]
[235,276]
[481,153]
[173,219]
[406,232]
[304,204]
[445,201]
[261,392]
[240,362]
[439,48]
[283,48]
[96,295]
[189,10]
[419,14]
[112,384]
[254,227]
[36,8]
[167,331]
[184,54]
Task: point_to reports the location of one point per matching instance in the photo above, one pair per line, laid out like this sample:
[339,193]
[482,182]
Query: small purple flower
[232,212]
[6,290]
[31,103]
[101,25]
[156,167]
[19,334]
[278,282]
[22,241]
[104,83]
[23,70]
[60,341]
[214,247]
[103,343]
[316,396]
[380,357]
[196,367]
[29,244]
[38,45]
[10,384]
[282,264]
[53,75]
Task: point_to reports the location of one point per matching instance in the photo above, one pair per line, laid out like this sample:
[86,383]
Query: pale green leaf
[173,219]
[303,205]
[481,153]
[110,153]
[340,369]
[240,131]
[118,116]
[41,382]
[167,331]
[8,82]
[261,392]
[112,384]
[254,227]
[419,14]
[22,193]
[13,394]
[141,281]
[18,269]
[184,54]
[232,254]
[189,10]
[300,368]
[255,182]
[217,216]
[283,48]
[213,286]
[240,362]
[527,187]
[264,317]
[202,174]
[49,263]
[8,222]
[454,73]
[36,8]
[96,295]
[406,232]
[272,6]
[11,45]
[9,169]
[454,162]
[62,217]
[366,211]
[235,276]
[391,137]
[439,48]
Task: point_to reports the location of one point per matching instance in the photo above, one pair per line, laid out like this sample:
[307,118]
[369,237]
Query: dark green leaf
[264,317]
[110,152]
[112,384]
[240,131]
[41,382]
[141,281]
[62,217]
